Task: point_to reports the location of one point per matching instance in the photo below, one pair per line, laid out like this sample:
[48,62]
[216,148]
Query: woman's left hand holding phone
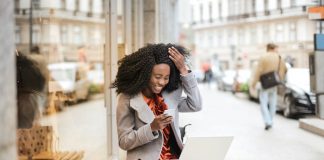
[160,122]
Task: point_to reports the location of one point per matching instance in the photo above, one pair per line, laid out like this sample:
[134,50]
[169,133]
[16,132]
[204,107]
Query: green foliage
[95,89]
[244,87]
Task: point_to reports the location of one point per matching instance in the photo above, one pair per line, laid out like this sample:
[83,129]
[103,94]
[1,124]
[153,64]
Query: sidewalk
[314,125]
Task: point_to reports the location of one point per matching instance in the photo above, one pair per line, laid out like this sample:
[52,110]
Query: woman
[148,82]
[31,82]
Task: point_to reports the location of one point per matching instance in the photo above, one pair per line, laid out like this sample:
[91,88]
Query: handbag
[271,79]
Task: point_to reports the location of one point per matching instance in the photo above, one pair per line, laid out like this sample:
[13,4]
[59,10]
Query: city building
[66,30]
[235,32]
[63,29]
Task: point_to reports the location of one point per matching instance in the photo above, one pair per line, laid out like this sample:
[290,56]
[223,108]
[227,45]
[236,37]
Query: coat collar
[144,112]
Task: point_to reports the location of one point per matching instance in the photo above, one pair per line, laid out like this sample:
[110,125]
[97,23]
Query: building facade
[66,28]
[62,28]
[233,32]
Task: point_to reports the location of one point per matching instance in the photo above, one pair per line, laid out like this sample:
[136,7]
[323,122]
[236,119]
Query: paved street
[227,115]
[83,127]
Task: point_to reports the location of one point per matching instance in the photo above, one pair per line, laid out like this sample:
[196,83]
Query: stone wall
[7,82]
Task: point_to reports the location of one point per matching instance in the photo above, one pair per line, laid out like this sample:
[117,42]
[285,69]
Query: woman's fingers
[176,57]
[173,59]
[178,60]
[165,119]
[175,53]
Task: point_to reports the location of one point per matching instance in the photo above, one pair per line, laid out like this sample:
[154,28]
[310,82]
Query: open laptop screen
[206,148]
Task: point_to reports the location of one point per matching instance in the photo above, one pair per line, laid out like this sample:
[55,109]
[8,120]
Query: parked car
[71,79]
[217,73]
[225,83]
[241,80]
[295,96]
[254,92]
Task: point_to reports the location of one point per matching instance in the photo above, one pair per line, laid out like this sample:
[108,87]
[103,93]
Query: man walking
[271,61]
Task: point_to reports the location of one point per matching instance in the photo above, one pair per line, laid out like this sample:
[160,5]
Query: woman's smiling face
[159,78]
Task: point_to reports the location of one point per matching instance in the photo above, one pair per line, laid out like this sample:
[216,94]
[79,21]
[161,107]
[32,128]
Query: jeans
[268,97]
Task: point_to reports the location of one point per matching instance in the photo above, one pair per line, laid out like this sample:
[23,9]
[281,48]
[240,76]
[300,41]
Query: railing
[50,12]
[266,13]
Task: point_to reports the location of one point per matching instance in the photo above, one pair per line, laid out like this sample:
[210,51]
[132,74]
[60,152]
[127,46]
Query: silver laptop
[206,148]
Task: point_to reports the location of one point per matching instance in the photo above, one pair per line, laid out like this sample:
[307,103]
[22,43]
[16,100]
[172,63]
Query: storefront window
[60,80]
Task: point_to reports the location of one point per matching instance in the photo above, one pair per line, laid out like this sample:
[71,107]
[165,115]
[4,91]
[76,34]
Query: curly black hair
[29,75]
[134,71]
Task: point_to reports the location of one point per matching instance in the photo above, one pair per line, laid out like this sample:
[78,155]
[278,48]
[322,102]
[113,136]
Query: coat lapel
[143,110]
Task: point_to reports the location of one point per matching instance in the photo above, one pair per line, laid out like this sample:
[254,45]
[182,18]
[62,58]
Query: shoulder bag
[271,79]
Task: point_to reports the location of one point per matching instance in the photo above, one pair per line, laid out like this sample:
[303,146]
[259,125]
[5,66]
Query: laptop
[206,148]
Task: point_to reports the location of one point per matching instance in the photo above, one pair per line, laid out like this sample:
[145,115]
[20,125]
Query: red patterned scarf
[158,106]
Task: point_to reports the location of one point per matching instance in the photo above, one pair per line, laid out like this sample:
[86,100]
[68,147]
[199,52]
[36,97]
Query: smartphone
[170,112]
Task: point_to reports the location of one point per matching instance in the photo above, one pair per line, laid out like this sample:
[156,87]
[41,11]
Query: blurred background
[72,48]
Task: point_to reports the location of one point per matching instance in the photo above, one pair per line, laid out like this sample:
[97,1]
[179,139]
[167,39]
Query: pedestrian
[150,81]
[208,77]
[270,61]
[30,86]
[82,55]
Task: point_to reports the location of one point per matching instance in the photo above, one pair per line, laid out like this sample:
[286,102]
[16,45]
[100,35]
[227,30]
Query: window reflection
[60,84]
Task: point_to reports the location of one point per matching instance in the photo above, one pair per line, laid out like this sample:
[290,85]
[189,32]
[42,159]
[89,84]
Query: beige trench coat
[134,118]
[267,63]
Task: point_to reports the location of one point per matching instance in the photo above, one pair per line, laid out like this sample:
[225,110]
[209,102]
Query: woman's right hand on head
[160,122]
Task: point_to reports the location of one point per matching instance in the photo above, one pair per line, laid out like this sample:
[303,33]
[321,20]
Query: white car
[225,83]
[71,79]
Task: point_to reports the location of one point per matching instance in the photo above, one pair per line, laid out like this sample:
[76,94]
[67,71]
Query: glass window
[63,4]
[279,33]
[253,6]
[293,3]
[77,5]
[220,10]
[216,40]
[265,34]
[210,11]
[318,27]
[220,38]
[241,36]
[292,31]
[266,5]
[230,37]
[253,35]
[57,93]
[237,7]
[64,34]
[17,34]
[77,34]
[36,4]
[279,4]
[36,34]
[201,11]
[210,40]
